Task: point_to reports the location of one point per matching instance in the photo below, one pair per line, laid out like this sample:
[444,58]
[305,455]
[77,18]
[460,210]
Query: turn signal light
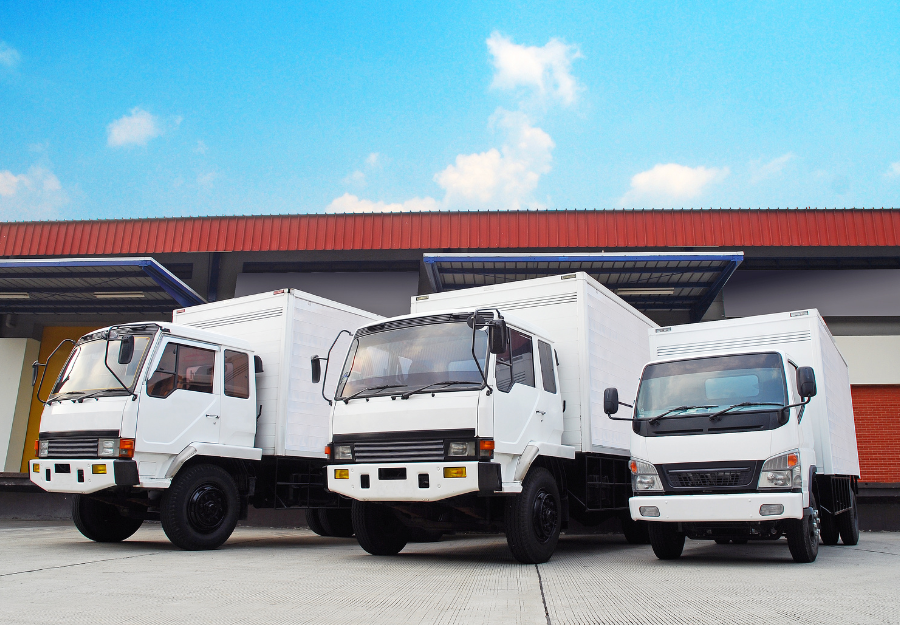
[126,448]
[36,468]
[454,472]
[342,474]
[632,466]
[793,460]
[98,469]
[36,443]
[486,445]
[328,450]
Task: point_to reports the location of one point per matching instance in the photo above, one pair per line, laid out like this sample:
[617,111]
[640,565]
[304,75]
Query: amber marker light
[126,448]
[36,468]
[328,450]
[793,460]
[98,469]
[632,466]
[342,474]
[454,472]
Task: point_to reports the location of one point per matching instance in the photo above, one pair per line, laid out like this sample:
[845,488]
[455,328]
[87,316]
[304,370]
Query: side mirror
[316,364]
[34,372]
[126,349]
[611,401]
[257,364]
[806,382]
[497,336]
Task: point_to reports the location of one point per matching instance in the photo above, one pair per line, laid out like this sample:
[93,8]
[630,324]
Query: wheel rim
[545,515]
[207,508]
[813,528]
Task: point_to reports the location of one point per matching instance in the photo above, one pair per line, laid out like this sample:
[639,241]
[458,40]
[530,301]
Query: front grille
[72,447]
[710,478]
[400,451]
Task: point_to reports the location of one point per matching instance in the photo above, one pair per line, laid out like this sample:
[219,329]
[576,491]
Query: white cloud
[373,159]
[136,128]
[36,194]
[544,70]
[9,57]
[359,178]
[356,179]
[893,171]
[761,171]
[671,182]
[348,203]
[205,180]
[200,148]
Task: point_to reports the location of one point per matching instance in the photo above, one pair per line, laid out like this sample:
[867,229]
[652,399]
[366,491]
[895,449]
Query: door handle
[212,416]
[540,412]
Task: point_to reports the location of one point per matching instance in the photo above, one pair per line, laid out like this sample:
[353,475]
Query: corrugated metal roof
[462,230]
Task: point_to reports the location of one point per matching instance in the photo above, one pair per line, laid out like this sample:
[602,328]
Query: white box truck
[482,410]
[743,430]
[191,422]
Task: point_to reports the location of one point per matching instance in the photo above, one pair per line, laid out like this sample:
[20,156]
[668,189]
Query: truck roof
[511,319]
[205,336]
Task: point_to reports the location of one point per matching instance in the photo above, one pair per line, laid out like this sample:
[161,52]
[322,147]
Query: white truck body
[711,471]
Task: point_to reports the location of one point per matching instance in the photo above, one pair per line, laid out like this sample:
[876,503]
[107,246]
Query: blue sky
[156,109]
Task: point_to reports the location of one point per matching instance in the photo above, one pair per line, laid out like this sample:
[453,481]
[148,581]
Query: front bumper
[711,508]
[78,476]
[408,488]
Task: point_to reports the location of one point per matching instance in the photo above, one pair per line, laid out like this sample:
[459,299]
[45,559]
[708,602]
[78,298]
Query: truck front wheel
[102,522]
[533,519]
[666,540]
[200,510]
[803,535]
[377,529]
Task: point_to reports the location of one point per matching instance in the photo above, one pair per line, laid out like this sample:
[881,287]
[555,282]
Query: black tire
[666,540]
[828,528]
[803,535]
[337,521]
[100,521]
[314,522]
[200,509]
[419,535]
[848,523]
[533,518]
[377,529]
[636,532]
[723,541]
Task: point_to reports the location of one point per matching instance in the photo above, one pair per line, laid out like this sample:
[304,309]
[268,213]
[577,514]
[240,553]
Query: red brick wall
[876,410]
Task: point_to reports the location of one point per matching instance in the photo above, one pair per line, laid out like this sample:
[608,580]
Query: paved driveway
[50,574]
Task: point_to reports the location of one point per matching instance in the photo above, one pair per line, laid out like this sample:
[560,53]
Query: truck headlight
[43,449]
[781,471]
[461,449]
[108,447]
[343,452]
[644,477]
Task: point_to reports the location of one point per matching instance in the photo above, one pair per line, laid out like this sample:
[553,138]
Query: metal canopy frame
[694,278]
[91,286]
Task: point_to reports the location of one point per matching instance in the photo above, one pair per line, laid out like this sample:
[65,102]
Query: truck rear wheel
[314,522]
[828,528]
[377,529]
[803,535]
[666,540]
[200,510]
[636,532]
[848,523]
[102,522]
[337,521]
[533,519]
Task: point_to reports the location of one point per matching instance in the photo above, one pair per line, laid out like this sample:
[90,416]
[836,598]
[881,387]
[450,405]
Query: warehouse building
[60,280]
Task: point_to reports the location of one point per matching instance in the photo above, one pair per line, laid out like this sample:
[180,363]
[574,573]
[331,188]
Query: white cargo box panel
[601,342]
[286,328]
[805,338]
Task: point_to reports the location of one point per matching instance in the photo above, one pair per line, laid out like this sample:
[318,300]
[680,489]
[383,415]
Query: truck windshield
[397,359]
[707,385]
[86,373]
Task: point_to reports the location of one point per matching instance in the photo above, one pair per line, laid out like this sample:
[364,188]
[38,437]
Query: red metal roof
[465,230]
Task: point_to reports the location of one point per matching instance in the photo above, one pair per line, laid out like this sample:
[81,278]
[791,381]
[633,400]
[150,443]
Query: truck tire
[314,522]
[666,540]
[533,519]
[803,535]
[828,528]
[102,522]
[848,523]
[337,521]
[377,529]
[636,532]
[200,509]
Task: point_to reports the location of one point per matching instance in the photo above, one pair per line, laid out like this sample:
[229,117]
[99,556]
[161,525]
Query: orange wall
[49,340]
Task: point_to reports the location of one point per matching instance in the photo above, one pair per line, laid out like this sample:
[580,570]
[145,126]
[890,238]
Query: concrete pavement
[50,574]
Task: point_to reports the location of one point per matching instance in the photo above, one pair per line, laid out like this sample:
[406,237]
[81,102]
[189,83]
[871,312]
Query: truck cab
[133,405]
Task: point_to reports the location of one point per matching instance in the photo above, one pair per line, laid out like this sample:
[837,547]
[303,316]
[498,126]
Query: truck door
[181,401]
[516,401]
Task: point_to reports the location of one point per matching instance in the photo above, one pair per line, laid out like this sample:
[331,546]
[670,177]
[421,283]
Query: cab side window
[546,354]
[237,374]
[516,364]
[183,367]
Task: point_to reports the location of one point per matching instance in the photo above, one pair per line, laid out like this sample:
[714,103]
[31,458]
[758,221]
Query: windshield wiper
[716,415]
[407,394]
[678,409]
[371,388]
[80,396]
